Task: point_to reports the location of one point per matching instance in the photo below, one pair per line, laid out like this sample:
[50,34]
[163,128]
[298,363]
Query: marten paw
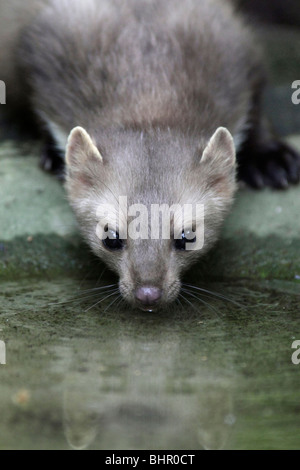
[274,164]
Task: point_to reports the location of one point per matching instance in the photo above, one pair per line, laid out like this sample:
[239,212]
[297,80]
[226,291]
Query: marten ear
[220,150]
[80,148]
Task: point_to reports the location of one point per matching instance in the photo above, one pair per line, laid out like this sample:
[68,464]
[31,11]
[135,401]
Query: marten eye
[112,241]
[186,237]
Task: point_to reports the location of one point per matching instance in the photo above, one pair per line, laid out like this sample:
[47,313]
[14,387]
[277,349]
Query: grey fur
[150,81]
[139,64]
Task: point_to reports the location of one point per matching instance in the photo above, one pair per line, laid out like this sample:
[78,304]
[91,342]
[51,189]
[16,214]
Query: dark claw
[290,166]
[276,175]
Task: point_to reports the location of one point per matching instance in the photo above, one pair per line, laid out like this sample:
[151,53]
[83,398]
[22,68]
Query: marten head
[149,204]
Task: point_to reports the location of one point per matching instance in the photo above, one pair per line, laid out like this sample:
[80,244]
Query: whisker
[190,303]
[112,303]
[100,277]
[88,273]
[120,302]
[202,301]
[91,296]
[215,294]
[86,296]
[96,289]
[102,300]
[202,294]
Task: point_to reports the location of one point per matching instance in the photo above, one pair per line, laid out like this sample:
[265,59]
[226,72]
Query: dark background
[284,12]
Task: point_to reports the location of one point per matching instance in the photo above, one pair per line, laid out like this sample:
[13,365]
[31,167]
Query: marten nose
[148,296]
